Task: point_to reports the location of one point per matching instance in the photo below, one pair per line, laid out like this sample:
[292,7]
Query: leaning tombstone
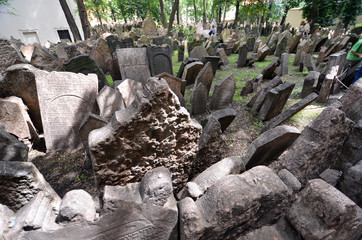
[310,83]
[176,84]
[214,60]
[198,52]
[42,59]
[221,53]
[223,93]
[205,76]
[191,71]
[225,117]
[269,70]
[263,52]
[160,60]
[284,61]
[199,99]
[243,52]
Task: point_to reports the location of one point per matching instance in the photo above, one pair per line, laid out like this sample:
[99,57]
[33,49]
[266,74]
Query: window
[64,34]
[30,37]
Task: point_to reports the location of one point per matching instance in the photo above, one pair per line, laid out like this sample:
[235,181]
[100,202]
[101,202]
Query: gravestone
[290,112]
[42,59]
[64,99]
[15,119]
[247,89]
[309,63]
[176,84]
[149,26]
[114,42]
[221,53]
[352,101]
[214,60]
[160,60]
[295,42]
[263,53]
[199,99]
[9,55]
[225,34]
[320,142]
[326,88]
[86,64]
[109,100]
[223,93]
[250,43]
[71,51]
[133,64]
[281,46]
[143,40]
[183,64]
[314,43]
[269,70]
[205,76]
[198,52]
[181,53]
[243,53]
[269,145]
[225,117]
[284,61]
[84,47]
[275,101]
[128,88]
[11,148]
[102,54]
[302,48]
[27,51]
[191,71]
[127,43]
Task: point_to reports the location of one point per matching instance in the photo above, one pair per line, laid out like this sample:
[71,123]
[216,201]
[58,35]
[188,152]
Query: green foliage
[5,7]
[81,177]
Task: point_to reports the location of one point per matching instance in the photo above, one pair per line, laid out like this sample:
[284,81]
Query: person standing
[212,31]
[354,56]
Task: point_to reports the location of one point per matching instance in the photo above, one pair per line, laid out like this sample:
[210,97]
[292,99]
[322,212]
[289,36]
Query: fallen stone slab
[268,71]
[42,59]
[290,112]
[331,176]
[352,101]
[323,212]
[270,145]
[290,180]
[225,117]
[263,53]
[199,185]
[9,55]
[317,147]
[351,184]
[225,211]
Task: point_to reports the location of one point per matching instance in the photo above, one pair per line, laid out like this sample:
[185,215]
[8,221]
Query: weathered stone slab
[225,117]
[223,93]
[295,42]
[27,51]
[281,46]
[77,205]
[102,54]
[302,48]
[17,178]
[198,52]
[109,101]
[15,119]
[149,27]
[114,42]
[243,52]
[323,212]
[275,101]
[133,64]
[290,112]
[257,101]
[352,101]
[142,125]
[263,53]
[317,147]
[250,43]
[64,99]
[269,145]
[9,55]
[176,84]
[85,64]
[310,83]
[269,70]
[42,59]
[199,99]
[183,64]
[221,53]
[309,63]
[128,88]
[290,180]
[351,184]
[191,71]
[205,76]
[181,53]
[331,176]
[247,89]
[160,60]
[326,88]
[198,186]
[214,60]
[10,147]
[225,211]
[284,61]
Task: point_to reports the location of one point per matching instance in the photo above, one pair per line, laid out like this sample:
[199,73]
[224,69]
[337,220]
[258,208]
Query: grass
[109,80]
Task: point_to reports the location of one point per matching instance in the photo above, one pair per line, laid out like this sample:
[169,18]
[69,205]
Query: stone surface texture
[223,93]
[9,55]
[11,149]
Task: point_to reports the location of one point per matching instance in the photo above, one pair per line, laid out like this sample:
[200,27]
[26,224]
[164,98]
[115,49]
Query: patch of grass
[109,80]
[263,64]
[233,58]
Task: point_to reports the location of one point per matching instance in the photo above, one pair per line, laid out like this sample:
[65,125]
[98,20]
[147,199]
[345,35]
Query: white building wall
[37,21]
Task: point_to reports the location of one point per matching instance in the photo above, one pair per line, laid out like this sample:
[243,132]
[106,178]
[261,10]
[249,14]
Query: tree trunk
[163,14]
[236,14]
[172,17]
[204,12]
[220,11]
[285,15]
[223,19]
[178,12]
[195,9]
[70,19]
[84,19]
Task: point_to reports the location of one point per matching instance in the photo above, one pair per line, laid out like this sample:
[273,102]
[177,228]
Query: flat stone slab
[133,64]
[269,145]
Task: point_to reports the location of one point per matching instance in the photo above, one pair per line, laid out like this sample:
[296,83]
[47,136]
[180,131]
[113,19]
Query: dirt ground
[72,170]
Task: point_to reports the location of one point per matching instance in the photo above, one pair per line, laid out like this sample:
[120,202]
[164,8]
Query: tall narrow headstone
[221,53]
[243,52]
[223,93]
[205,76]
[199,99]
[284,63]
[310,83]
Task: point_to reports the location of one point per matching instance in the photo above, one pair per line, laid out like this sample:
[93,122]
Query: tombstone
[257,101]
[336,59]
[321,55]
[84,48]
[42,59]
[27,51]
[270,145]
[269,70]
[214,60]
[183,64]
[258,45]
[221,53]
[302,48]
[301,63]
[114,42]
[127,43]
[351,101]
[64,100]
[109,100]
[263,53]
[257,82]
[211,50]
[223,93]
[160,60]
[9,55]
[290,112]
[11,148]
[281,46]
[313,152]
[247,89]
[128,88]
[225,117]
[199,99]
[231,218]
[295,42]
[344,222]
[128,127]
[326,88]
[250,43]
[225,34]
[205,76]
[350,186]
[149,26]
[284,61]
[133,64]
[309,62]
[198,52]
[275,101]
[143,40]
[191,71]
[71,51]
[20,177]
[331,176]
[198,186]
[181,53]
[15,119]
[102,54]
[85,64]
[243,53]
[314,43]
[176,84]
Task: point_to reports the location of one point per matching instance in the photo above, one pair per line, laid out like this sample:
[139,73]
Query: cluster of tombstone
[160,172]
